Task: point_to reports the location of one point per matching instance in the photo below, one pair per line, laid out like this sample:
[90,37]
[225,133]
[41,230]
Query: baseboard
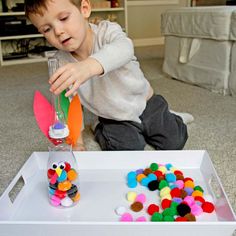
[148,42]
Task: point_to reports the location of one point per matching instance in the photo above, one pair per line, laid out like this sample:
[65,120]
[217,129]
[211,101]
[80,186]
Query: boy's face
[63,24]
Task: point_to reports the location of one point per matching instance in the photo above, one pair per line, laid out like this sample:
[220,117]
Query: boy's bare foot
[79,147]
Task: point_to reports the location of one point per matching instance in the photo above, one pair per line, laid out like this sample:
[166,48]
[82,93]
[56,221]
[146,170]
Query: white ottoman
[198,46]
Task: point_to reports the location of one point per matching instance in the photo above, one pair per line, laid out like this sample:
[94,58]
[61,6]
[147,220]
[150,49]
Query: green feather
[65,103]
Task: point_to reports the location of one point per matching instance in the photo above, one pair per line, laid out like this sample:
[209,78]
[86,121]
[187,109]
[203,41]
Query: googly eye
[54,165]
[62,165]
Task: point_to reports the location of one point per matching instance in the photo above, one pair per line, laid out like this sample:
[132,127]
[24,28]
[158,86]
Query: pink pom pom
[126,217]
[141,198]
[141,219]
[196,210]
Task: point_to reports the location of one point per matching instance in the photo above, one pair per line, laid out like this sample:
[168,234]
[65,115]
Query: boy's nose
[58,30]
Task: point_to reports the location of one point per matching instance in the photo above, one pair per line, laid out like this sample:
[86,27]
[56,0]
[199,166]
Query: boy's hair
[37,6]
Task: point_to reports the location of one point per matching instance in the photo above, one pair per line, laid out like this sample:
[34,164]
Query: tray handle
[11,197]
[16,188]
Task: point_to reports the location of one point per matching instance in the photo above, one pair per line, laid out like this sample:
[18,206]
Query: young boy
[98,62]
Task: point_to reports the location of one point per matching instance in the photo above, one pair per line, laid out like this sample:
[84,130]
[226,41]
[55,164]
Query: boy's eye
[46,30]
[64,18]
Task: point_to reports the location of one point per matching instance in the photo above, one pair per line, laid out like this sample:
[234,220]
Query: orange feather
[75,120]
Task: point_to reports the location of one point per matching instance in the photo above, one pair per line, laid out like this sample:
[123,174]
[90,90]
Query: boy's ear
[85,8]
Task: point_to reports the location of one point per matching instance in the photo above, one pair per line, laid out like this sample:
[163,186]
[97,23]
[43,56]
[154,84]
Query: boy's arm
[72,75]
[117,49]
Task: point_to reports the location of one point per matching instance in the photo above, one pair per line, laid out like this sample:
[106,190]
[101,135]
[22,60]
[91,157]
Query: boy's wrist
[95,68]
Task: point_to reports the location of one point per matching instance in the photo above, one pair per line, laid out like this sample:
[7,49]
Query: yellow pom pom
[173,169]
[162,169]
[168,196]
[131,196]
[165,191]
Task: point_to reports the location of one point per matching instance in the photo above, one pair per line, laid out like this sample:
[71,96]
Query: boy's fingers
[69,93]
[64,85]
[53,78]
[73,90]
[56,75]
[63,81]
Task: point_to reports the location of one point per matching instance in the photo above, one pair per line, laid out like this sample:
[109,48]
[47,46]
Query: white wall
[144,19]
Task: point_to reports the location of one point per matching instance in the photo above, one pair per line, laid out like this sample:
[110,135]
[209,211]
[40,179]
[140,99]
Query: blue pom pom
[132,183]
[145,181]
[172,186]
[131,175]
[152,176]
[168,166]
[170,177]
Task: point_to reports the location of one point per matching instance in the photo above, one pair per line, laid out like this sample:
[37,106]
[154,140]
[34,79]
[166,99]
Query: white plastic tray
[103,188]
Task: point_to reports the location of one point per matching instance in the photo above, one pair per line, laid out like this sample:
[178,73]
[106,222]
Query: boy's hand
[72,75]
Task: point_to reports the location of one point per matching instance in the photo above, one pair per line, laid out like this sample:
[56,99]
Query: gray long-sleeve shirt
[121,92]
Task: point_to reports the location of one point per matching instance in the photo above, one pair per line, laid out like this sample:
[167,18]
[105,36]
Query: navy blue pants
[159,127]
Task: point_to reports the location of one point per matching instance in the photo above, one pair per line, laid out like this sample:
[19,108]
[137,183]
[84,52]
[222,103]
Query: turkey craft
[61,119]
[62,191]
[61,122]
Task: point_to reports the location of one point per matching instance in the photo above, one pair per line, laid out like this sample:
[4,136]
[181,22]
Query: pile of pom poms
[62,191]
[180,198]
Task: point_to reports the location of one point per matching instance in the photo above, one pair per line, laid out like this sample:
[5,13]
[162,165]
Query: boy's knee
[125,142]
[117,145]
[109,146]
[177,142]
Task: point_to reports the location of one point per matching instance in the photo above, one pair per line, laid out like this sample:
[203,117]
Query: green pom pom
[168,218]
[174,204]
[154,166]
[163,183]
[199,188]
[157,217]
[169,211]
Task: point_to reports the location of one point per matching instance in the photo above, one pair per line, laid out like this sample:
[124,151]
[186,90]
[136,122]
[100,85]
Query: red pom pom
[51,172]
[188,178]
[181,218]
[178,172]
[152,208]
[199,198]
[165,203]
[175,192]
[67,167]
[60,194]
[158,173]
[208,207]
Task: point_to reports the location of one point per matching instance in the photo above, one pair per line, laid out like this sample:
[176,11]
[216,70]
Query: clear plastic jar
[62,174]
[58,129]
